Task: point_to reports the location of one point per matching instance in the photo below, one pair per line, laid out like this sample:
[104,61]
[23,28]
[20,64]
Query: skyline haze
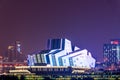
[87,24]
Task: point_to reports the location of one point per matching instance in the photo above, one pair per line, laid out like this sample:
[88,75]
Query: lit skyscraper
[112,52]
[18,47]
[14,52]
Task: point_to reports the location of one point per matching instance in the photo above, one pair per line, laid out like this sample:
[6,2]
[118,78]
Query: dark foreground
[73,77]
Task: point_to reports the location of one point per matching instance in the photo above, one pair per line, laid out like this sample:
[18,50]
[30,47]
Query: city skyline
[88,24]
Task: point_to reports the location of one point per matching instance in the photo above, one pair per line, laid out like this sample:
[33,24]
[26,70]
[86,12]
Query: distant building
[61,52]
[112,52]
[14,53]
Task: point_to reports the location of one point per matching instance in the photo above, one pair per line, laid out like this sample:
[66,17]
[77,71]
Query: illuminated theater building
[61,52]
[80,58]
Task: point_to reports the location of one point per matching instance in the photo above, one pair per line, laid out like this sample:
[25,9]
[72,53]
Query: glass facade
[112,53]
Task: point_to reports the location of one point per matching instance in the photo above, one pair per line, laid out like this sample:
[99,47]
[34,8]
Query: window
[55,69]
[39,69]
[64,60]
[61,69]
[50,69]
[44,69]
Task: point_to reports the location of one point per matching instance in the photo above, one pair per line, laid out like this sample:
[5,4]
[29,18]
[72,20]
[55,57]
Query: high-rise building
[14,52]
[59,51]
[112,52]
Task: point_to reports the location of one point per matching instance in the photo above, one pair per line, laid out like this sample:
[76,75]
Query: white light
[18,45]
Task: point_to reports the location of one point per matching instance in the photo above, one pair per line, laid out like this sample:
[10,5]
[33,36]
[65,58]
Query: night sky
[87,23]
